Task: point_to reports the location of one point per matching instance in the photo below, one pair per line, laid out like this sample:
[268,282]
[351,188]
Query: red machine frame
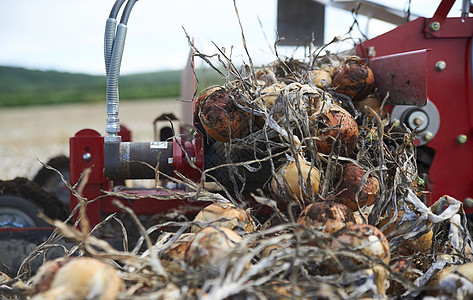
[448,75]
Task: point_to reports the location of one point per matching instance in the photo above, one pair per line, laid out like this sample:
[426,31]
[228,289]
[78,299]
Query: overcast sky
[67,35]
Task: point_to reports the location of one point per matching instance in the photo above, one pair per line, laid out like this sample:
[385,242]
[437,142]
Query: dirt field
[31,134]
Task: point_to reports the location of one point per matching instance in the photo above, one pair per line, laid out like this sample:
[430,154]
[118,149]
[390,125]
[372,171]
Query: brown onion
[350,184]
[336,124]
[368,238]
[221,118]
[354,78]
[328,215]
[224,215]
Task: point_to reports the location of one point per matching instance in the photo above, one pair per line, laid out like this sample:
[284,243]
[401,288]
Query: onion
[172,256]
[350,183]
[269,95]
[370,101]
[353,78]
[368,238]
[224,214]
[335,124]
[288,176]
[328,215]
[321,78]
[210,245]
[452,280]
[221,118]
[78,278]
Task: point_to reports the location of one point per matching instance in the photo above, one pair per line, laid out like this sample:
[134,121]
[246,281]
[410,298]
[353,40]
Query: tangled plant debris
[318,197]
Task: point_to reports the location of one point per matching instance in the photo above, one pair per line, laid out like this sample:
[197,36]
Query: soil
[33,134]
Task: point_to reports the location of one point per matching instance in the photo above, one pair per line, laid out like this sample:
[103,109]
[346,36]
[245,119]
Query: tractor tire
[51,181]
[24,199]
[16,212]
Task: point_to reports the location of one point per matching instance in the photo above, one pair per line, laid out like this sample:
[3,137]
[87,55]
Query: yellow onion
[327,215]
[288,178]
[321,78]
[210,245]
[335,124]
[224,214]
[353,78]
[350,183]
[77,278]
[451,278]
[172,257]
[371,102]
[221,118]
[269,95]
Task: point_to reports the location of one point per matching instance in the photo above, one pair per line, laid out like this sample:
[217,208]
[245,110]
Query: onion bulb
[224,214]
[288,178]
[335,124]
[221,118]
[328,215]
[350,183]
[210,245]
[353,78]
[77,278]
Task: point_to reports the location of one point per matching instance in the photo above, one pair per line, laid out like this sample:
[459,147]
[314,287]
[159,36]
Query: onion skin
[231,216]
[330,215]
[354,78]
[221,118]
[349,185]
[210,245]
[341,125]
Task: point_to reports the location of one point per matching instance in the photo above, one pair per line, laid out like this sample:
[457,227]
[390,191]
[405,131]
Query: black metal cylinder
[138,160]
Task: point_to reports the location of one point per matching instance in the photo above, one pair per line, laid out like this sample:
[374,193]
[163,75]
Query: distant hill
[21,87]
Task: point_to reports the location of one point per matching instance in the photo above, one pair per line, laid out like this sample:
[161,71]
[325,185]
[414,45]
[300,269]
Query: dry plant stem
[156,262]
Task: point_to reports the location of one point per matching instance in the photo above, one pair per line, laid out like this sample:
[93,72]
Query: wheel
[51,181]
[16,212]
[21,200]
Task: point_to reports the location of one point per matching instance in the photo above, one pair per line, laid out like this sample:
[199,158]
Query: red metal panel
[450,90]
[86,152]
[403,75]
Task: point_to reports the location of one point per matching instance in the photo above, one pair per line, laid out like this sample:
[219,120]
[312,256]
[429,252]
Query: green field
[23,87]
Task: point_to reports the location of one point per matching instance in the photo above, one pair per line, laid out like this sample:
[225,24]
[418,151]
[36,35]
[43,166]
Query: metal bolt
[428,136]
[87,156]
[440,65]
[418,121]
[435,26]
[461,139]
[468,202]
